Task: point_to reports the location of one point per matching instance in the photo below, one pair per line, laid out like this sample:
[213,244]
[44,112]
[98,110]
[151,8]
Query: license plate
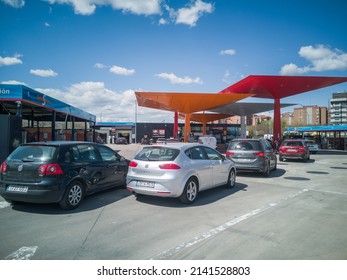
[145,184]
[17,188]
[291,150]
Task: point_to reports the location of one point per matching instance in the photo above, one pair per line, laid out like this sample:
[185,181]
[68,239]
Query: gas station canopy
[261,86]
[185,102]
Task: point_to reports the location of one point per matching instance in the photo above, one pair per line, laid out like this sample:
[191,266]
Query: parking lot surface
[298,213]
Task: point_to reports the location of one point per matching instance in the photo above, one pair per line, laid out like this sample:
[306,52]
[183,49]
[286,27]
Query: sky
[94,54]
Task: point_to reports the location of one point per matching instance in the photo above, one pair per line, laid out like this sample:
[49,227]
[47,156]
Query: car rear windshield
[244,145]
[157,154]
[33,153]
[292,143]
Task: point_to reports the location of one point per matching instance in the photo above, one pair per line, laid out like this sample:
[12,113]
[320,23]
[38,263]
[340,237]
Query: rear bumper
[49,194]
[293,156]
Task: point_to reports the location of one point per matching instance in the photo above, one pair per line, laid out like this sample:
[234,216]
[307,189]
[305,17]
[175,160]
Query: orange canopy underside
[208,117]
[186,102]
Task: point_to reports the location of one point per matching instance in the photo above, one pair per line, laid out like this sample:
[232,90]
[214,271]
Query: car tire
[280,158]
[73,196]
[190,191]
[231,179]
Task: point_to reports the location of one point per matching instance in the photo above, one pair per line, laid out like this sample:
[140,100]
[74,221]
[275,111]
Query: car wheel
[231,179]
[190,191]
[266,173]
[280,158]
[73,196]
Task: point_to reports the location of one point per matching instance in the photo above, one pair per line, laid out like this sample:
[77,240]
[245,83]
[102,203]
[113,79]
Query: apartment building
[310,115]
[338,109]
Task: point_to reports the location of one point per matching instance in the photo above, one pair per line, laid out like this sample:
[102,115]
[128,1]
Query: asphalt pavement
[298,213]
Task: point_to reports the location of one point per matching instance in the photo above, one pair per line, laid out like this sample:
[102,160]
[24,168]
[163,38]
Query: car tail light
[50,169]
[229,154]
[3,167]
[259,154]
[132,164]
[170,166]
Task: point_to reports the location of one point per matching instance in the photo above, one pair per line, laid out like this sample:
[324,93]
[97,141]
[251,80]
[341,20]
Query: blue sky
[94,54]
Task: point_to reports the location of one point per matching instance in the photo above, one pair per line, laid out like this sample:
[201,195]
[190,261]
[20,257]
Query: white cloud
[320,57]
[177,80]
[47,24]
[191,14]
[15,3]
[227,52]
[121,70]
[8,61]
[95,98]
[43,73]
[99,65]
[138,7]
[163,21]
[13,82]
[226,78]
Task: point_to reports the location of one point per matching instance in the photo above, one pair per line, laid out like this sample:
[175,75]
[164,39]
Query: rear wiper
[28,160]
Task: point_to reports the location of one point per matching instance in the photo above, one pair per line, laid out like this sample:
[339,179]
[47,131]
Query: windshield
[33,153]
[157,154]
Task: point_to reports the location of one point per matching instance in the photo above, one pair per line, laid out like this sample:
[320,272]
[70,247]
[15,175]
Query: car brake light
[50,169]
[3,167]
[229,154]
[170,166]
[132,164]
[259,154]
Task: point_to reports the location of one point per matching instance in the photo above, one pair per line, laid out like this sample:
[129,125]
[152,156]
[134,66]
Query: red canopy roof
[277,87]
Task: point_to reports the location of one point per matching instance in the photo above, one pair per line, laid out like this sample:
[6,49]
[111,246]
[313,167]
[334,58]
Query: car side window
[196,153]
[107,154]
[87,153]
[212,154]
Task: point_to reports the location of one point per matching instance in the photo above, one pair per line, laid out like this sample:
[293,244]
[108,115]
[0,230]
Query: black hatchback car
[60,172]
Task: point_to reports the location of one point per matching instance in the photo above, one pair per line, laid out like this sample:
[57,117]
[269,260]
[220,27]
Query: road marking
[4,204]
[24,253]
[214,231]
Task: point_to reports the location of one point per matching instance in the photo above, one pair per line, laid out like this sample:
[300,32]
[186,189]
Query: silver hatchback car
[179,170]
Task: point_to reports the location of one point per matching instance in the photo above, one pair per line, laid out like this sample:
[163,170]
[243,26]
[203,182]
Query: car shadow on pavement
[204,197]
[279,172]
[89,203]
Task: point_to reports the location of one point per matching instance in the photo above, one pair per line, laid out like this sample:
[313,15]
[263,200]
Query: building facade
[338,109]
[310,115]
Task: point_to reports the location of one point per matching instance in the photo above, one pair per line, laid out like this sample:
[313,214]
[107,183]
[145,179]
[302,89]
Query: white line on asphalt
[4,204]
[324,191]
[24,253]
[223,227]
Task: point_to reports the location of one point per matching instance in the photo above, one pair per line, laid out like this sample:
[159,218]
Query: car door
[86,161]
[114,166]
[201,165]
[220,167]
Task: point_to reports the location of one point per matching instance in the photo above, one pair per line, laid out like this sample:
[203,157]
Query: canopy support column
[277,121]
[175,132]
[204,128]
[187,127]
[243,126]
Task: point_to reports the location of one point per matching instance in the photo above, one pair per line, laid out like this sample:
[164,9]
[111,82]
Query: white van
[210,141]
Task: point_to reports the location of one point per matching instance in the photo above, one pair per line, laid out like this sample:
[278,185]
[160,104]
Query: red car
[294,149]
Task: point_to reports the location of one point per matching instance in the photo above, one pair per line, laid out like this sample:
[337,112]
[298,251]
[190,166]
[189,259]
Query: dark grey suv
[60,172]
[256,155]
